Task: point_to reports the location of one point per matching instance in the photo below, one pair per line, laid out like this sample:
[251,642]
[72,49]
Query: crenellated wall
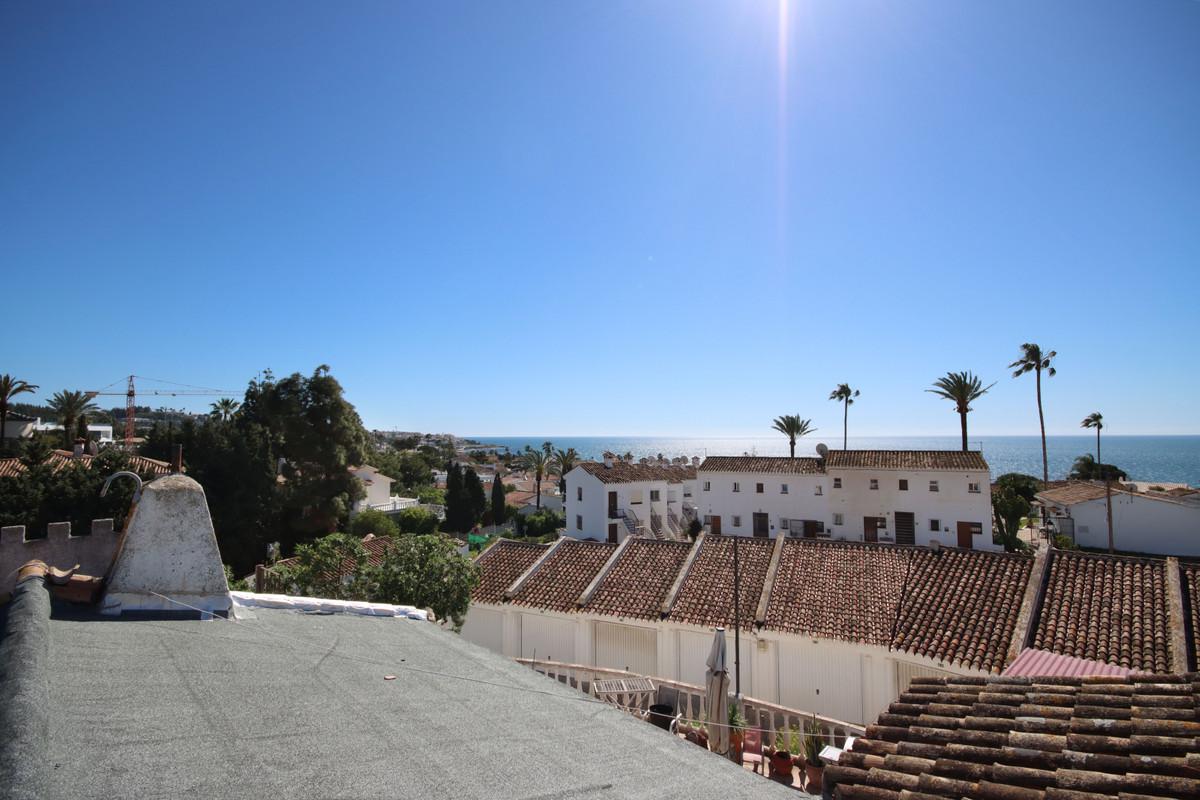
[92,551]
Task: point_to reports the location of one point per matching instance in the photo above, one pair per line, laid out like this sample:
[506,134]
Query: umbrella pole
[737,624]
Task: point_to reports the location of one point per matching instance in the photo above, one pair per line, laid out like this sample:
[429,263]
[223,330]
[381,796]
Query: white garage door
[627,647]
[694,648]
[485,626]
[906,671]
[821,680]
[547,639]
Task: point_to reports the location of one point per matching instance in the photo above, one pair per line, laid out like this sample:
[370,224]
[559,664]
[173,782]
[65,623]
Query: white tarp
[244,600]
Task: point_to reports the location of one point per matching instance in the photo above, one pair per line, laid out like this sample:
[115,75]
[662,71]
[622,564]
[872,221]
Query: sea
[1173,459]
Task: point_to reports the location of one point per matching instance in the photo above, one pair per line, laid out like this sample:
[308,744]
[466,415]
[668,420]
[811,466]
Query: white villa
[914,497]
[1158,520]
[379,495]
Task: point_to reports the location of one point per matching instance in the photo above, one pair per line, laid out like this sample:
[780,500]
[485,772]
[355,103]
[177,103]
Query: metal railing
[689,701]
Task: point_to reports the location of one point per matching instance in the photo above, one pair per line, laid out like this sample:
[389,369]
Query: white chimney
[608,459]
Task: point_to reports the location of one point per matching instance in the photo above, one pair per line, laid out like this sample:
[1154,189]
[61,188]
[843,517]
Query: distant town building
[1158,520]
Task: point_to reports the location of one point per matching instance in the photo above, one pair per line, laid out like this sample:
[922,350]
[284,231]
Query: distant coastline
[1150,458]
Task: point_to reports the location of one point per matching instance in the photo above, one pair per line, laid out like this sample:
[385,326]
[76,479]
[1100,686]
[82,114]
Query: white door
[822,680]
[694,648]
[547,639]
[627,647]
[485,627]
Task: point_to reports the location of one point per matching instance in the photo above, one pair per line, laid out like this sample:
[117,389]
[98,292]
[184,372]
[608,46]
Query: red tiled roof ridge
[782,465]
[625,472]
[970,460]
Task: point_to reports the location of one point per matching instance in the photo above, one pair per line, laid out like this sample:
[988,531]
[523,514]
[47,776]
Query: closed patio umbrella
[716,695]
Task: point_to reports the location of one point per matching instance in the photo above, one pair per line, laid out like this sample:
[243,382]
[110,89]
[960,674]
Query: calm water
[1149,458]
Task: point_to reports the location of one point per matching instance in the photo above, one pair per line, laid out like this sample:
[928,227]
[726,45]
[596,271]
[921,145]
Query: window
[707,486]
[737,521]
[874,483]
[578,522]
[783,523]
[635,497]
[838,519]
[707,519]
[783,488]
[579,493]
[973,488]
[933,486]
[737,487]
[818,490]
[758,488]
[935,525]
[904,484]
[654,495]
[837,483]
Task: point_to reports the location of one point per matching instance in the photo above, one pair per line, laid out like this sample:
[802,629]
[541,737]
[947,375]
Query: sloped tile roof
[624,472]
[12,467]
[1030,738]
[1190,583]
[838,590]
[906,459]
[564,575]
[761,464]
[706,596]
[1106,608]
[500,565]
[962,606]
[639,581]
[1072,492]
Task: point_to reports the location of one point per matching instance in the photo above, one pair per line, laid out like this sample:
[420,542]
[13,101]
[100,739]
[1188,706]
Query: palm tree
[72,409]
[844,395]
[224,409]
[961,388]
[791,426]
[1087,468]
[1034,360]
[10,387]
[562,462]
[539,462]
[1094,420]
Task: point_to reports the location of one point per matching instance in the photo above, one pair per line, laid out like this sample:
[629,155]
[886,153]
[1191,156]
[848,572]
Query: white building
[379,495]
[612,499]
[919,497]
[1163,523]
[102,434]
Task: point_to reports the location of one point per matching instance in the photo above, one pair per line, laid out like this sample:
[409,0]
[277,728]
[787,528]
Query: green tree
[372,521]
[1094,420]
[416,520]
[499,511]
[1008,509]
[456,500]
[476,498]
[1034,360]
[1087,468]
[1026,486]
[540,523]
[791,426]
[844,395]
[427,572]
[562,462]
[224,409]
[332,567]
[962,389]
[537,462]
[70,406]
[10,387]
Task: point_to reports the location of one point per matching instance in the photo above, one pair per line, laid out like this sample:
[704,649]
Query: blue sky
[611,218]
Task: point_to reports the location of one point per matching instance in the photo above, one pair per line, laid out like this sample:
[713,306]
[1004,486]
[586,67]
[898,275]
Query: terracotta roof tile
[12,467]
[638,582]
[838,590]
[1106,608]
[1191,590]
[906,459]
[962,606]
[706,596]
[1052,738]
[564,575]
[624,472]
[500,565]
[781,466]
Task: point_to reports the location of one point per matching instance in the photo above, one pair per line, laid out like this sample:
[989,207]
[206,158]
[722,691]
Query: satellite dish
[822,450]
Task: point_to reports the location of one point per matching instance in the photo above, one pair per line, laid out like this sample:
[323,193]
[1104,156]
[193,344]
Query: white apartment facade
[1162,523]
[913,497]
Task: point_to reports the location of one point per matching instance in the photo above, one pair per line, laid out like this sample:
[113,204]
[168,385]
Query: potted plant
[737,727]
[781,756]
[814,767]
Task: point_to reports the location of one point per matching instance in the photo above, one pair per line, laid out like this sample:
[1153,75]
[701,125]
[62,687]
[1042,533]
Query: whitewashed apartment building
[919,497]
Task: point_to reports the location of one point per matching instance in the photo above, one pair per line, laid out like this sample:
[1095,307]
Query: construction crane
[130,394]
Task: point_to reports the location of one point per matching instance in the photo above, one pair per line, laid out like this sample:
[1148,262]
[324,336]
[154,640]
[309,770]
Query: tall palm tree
[562,462]
[538,461]
[844,395]
[791,426]
[224,409]
[10,387]
[1094,420]
[962,389]
[1034,359]
[71,408]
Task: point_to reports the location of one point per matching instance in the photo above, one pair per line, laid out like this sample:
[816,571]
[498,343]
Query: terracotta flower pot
[815,773]
[735,745]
